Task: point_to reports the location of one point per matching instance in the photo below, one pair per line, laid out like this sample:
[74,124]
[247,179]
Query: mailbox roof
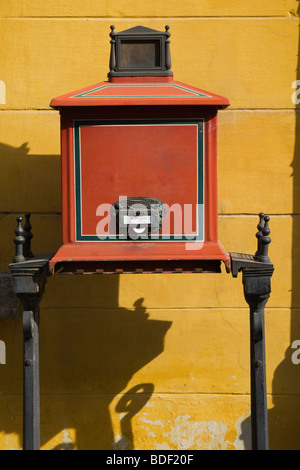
[139,92]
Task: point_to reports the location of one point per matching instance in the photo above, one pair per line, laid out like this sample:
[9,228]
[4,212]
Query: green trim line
[156,238]
[192,93]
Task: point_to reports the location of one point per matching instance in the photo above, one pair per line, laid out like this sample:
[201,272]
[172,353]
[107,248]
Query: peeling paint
[150,433]
[11,442]
[188,434]
[120,442]
[158,422]
[63,441]
[163,446]
[67,439]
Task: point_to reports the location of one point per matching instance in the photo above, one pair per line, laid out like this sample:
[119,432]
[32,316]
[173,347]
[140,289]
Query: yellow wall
[155,361]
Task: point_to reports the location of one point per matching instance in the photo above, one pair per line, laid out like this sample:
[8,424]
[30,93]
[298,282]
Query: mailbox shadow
[29,183]
[95,353]
[36,180]
[129,405]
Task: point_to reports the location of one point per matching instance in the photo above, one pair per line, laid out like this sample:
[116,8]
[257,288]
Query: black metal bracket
[257,271]
[29,277]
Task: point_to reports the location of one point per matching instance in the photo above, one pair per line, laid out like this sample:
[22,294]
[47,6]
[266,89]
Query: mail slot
[139,164]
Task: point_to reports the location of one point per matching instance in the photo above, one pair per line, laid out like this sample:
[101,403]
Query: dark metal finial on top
[265,241]
[28,236]
[19,241]
[259,234]
[112,59]
[168,53]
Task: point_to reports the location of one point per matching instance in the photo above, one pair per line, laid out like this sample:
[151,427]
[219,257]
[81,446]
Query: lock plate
[138,217]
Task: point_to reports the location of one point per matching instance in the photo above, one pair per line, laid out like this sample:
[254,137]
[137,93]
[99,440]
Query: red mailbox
[139,166]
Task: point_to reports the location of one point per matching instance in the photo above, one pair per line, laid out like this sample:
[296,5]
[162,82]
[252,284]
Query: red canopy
[136,91]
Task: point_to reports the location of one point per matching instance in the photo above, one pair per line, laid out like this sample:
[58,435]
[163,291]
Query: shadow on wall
[284,417]
[92,355]
[29,182]
[88,355]
[26,182]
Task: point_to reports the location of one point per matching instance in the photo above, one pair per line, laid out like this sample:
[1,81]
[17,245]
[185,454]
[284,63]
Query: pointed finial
[265,241]
[112,58]
[167,52]
[19,241]
[259,234]
[28,236]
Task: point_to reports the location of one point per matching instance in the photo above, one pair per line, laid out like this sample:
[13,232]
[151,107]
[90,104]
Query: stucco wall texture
[154,361]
